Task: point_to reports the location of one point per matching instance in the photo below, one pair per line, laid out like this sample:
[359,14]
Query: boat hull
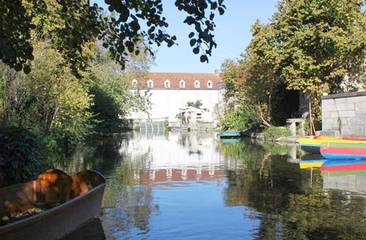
[313,144]
[58,221]
[230,134]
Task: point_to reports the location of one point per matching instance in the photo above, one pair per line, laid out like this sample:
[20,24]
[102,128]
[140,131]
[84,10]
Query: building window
[197,84]
[182,84]
[134,83]
[167,84]
[209,84]
[150,84]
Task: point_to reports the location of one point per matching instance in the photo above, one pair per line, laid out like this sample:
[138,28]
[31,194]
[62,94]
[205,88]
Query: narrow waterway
[193,186]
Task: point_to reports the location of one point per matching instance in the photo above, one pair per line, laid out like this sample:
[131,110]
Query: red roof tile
[159,79]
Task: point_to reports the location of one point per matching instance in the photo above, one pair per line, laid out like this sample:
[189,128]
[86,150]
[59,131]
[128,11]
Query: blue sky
[232,35]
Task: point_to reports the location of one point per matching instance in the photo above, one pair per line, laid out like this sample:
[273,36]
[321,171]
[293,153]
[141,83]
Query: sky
[232,35]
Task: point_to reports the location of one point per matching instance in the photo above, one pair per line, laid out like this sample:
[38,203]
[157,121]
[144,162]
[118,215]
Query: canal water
[194,186]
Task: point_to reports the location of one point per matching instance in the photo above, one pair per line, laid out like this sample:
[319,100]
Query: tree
[50,100]
[251,80]
[310,46]
[16,47]
[111,91]
[322,41]
[121,32]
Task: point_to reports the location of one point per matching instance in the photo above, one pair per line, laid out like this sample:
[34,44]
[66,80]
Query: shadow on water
[193,186]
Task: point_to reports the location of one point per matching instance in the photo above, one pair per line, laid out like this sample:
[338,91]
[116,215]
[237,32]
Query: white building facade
[170,92]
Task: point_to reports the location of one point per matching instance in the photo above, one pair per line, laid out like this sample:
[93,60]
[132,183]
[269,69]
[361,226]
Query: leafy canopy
[312,46]
[320,42]
[70,24]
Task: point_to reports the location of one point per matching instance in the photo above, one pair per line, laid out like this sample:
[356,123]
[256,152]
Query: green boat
[231,134]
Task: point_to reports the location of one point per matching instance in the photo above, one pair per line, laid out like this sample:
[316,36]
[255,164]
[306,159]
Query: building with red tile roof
[180,81]
[169,93]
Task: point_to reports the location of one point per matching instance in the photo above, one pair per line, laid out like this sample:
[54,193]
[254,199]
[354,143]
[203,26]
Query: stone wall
[344,114]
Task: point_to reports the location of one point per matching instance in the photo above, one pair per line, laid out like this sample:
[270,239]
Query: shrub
[239,119]
[19,156]
[273,133]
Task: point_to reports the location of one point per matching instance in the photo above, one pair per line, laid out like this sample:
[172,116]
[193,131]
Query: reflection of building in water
[191,173]
[177,157]
[351,183]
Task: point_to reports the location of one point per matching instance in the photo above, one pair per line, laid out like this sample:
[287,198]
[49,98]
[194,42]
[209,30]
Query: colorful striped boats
[343,150]
[312,144]
[344,167]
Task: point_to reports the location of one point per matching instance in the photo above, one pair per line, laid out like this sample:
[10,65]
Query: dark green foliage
[19,155]
[15,45]
[284,104]
[125,32]
[274,133]
[106,112]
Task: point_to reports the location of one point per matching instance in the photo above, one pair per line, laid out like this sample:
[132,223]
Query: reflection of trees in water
[108,155]
[320,214]
[101,154]
[268,184]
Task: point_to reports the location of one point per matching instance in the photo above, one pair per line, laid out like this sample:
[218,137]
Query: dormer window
[134,83]
[150,84]
[209,84]
[182,84]
[167,84]
[197,84]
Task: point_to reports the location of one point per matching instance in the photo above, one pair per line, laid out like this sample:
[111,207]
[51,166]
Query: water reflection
[193,186]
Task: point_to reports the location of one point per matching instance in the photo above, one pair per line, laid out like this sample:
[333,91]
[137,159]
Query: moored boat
[343,150]
[51,206]
[230,134]
[312,144]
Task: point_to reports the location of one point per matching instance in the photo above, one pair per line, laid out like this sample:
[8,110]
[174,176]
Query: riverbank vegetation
[308,48]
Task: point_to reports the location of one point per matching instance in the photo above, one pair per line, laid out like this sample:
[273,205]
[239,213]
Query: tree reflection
[108,155]
[320,214]
[286,207]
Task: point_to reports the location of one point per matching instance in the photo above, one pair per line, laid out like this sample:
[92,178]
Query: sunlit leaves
[50,99]
[322,41]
